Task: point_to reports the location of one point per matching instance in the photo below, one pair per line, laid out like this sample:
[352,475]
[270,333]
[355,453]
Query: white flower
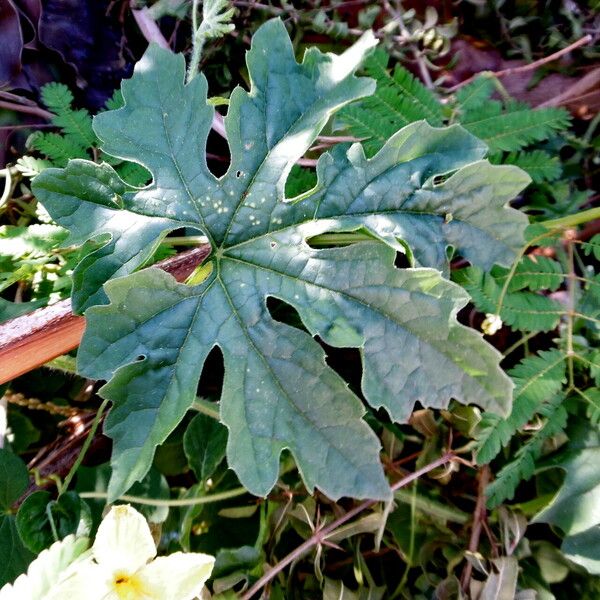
[121,566]
[491,324]
[46,570]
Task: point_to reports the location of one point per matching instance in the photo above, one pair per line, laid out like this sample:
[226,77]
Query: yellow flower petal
[123,543]
[179,576]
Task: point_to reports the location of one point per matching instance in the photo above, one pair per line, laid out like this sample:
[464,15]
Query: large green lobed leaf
[153,337]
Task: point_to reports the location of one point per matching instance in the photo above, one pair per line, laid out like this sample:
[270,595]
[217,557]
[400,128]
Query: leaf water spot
[257,222]
[296,297]
[251,217]
[248,145]
[231,192]
[239,174]
[242,285]
[263,200]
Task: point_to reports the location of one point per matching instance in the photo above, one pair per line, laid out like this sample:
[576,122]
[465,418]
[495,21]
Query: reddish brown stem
[321,534]
[24,108]
[479,517]
[33,339]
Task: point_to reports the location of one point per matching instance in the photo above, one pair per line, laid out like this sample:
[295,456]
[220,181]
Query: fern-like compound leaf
[76,124]
[537,379]
[399,99]
[153,337]
[57,148]
[522,310]
[593,247]
[538,164]
[535,272]
[515,126]
[475,94]
[57,97]
[522,467]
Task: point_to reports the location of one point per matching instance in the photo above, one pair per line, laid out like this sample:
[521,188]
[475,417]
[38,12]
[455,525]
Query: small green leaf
[204,443]
[24,432]
[230,560]
[576,508]
[14,478]
[153,485]
[14,556]
[584,549]
[42,521]
[501,583]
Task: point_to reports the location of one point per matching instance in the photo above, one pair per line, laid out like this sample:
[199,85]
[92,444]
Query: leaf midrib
[243,327]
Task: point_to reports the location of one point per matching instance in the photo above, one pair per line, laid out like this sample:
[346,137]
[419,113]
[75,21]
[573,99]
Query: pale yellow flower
[46,570]
[123,566]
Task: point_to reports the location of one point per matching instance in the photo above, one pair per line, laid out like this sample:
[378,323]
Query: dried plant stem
[27,109]
[479,517]
[586,39]
[149,28]
[320,535]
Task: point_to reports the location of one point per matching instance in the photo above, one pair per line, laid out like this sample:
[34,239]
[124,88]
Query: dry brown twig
[586,39]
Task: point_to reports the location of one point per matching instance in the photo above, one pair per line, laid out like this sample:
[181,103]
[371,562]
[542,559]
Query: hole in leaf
[300,180]
[218,158]
[401,261]
[346,362]
[211,379]
[284,313]
[439,179]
